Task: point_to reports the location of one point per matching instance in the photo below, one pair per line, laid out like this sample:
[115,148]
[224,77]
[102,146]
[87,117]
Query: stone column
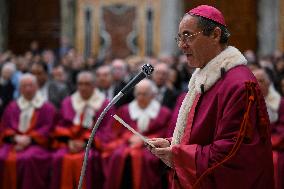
[281,26]
[268,25]
[68,21]
[3,24]
[171,14]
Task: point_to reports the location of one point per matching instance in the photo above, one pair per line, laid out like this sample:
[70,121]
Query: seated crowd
[48,109]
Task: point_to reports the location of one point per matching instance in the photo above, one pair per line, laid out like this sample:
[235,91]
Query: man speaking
[221,139]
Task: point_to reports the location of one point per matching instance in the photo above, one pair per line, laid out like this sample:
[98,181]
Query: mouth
[188,55]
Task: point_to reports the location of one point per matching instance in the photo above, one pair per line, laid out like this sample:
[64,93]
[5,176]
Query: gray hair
[86,73]
[28,76]
[9,66]
[150,83]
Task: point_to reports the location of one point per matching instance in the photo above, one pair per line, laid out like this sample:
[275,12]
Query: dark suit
[56,92]
[127,98]
[169,98]
[6,95]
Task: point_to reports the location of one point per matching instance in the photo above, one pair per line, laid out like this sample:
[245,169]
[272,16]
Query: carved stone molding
[119,27]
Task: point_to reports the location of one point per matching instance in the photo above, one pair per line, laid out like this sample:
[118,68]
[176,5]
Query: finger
[162,151]
[148,146]
[153,139]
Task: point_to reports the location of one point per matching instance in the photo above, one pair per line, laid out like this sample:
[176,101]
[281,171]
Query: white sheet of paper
[132,130]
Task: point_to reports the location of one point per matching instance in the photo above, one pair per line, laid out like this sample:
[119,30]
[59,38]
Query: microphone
[146,71]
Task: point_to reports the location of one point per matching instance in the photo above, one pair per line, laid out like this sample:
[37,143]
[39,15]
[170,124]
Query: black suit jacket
[56,92]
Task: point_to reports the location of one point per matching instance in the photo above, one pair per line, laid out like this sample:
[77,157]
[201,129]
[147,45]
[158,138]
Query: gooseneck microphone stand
[146,71]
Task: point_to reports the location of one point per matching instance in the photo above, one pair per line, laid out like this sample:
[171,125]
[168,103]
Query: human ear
[216,35]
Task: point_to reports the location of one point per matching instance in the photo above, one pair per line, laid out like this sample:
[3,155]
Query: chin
[192,65]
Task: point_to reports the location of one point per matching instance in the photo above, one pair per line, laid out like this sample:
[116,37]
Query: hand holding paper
[133,131]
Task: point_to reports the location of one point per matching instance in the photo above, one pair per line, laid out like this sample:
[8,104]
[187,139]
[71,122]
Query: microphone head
[147,69]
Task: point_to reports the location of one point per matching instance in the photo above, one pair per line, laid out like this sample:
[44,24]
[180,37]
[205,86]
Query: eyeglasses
[185,38]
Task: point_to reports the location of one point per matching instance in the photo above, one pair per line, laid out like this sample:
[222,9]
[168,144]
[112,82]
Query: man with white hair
[79,112]
[275,109]
[26,124]
[149,117]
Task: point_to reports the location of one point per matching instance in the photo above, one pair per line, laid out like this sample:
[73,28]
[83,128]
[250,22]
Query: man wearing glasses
[221,138]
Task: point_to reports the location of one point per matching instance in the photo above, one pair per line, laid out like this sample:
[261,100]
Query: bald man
[79,112]
[275,109]
[131,162]
[26,125]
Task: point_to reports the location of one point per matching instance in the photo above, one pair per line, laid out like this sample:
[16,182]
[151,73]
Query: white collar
[272,101]
[151,110]
[95,101]
[143,116]
[211,73]
[36,102]
[206,77]
[273,98]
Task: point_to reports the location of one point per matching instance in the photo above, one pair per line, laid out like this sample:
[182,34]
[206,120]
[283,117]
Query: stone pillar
[268,25]
[171,14]
[68,21]
[281,25]
[3,24]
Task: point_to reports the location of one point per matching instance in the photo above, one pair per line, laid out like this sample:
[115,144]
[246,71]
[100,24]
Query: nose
[183,46]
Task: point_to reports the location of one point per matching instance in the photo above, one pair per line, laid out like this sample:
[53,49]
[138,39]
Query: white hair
[87,73]
[28,76]
[150,83]
[9,66]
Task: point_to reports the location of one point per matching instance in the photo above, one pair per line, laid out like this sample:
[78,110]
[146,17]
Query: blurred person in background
[170,60]
[174,115]
[34,48]
[134,64]
[275,109]
[131,165]
[48,57]
[281,85]
[250,56]
[104,81]
[50,90]
[184,73]
[266,63]
[64,48]
[6,86]
[120,77]
[59,75]
[5,56]
[22,66]
[78,114]
[92,64]
[25,128]
[166,95]
[253,66]
[279,66]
